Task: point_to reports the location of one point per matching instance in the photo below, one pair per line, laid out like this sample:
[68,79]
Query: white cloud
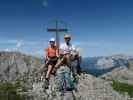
[102,48]
[97,44]
[19,44]
[7,49]
[29,47]
[45,3]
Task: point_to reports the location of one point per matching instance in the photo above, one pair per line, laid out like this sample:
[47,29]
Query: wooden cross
[57,30]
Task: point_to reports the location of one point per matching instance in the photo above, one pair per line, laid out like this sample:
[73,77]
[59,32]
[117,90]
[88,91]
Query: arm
[59,63]
[57,52]
[78,55]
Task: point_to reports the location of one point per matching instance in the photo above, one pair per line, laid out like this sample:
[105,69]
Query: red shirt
[51,52]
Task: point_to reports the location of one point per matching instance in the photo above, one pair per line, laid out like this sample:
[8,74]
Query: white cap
[52,40]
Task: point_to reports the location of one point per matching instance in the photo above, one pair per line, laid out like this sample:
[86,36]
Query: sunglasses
[52,42]
[67,38]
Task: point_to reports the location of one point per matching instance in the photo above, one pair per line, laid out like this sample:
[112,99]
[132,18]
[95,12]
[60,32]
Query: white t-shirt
[68,49]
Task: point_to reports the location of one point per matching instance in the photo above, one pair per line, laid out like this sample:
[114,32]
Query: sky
[98,27]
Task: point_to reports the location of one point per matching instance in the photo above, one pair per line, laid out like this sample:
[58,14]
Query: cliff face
[14,64]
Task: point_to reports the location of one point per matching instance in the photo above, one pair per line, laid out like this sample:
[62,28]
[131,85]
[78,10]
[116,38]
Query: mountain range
[101,65]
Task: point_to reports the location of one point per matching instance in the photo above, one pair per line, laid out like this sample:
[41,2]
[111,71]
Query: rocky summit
[17,68]
[88,88]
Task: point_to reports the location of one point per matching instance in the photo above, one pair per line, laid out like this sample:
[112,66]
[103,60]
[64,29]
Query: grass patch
[123,87]
[8,91]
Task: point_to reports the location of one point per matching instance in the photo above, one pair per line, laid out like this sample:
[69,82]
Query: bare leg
[47,77]
[49,71]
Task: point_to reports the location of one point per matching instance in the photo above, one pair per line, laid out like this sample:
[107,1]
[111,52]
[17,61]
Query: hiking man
[69,52]
[66,73]
[51,57]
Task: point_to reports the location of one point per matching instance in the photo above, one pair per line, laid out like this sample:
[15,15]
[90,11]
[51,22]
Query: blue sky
[98,27]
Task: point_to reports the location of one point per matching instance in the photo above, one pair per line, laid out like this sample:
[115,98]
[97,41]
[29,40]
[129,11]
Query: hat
[67,36]
[52,40]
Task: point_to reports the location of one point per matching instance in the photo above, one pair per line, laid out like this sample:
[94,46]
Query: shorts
[52,61]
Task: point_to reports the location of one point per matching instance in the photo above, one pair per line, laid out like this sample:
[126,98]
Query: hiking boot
[46,84]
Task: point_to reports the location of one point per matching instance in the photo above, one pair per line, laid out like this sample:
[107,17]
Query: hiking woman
[51,57]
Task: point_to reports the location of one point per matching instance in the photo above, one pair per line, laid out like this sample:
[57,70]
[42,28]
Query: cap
[52,40]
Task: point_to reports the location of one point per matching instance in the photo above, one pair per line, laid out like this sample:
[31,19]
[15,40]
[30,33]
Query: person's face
[67,40]
[52,43]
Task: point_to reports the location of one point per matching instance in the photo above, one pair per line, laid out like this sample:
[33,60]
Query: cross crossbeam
[57,30]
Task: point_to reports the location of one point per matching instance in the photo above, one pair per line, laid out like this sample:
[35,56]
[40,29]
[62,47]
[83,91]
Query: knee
[50,67]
